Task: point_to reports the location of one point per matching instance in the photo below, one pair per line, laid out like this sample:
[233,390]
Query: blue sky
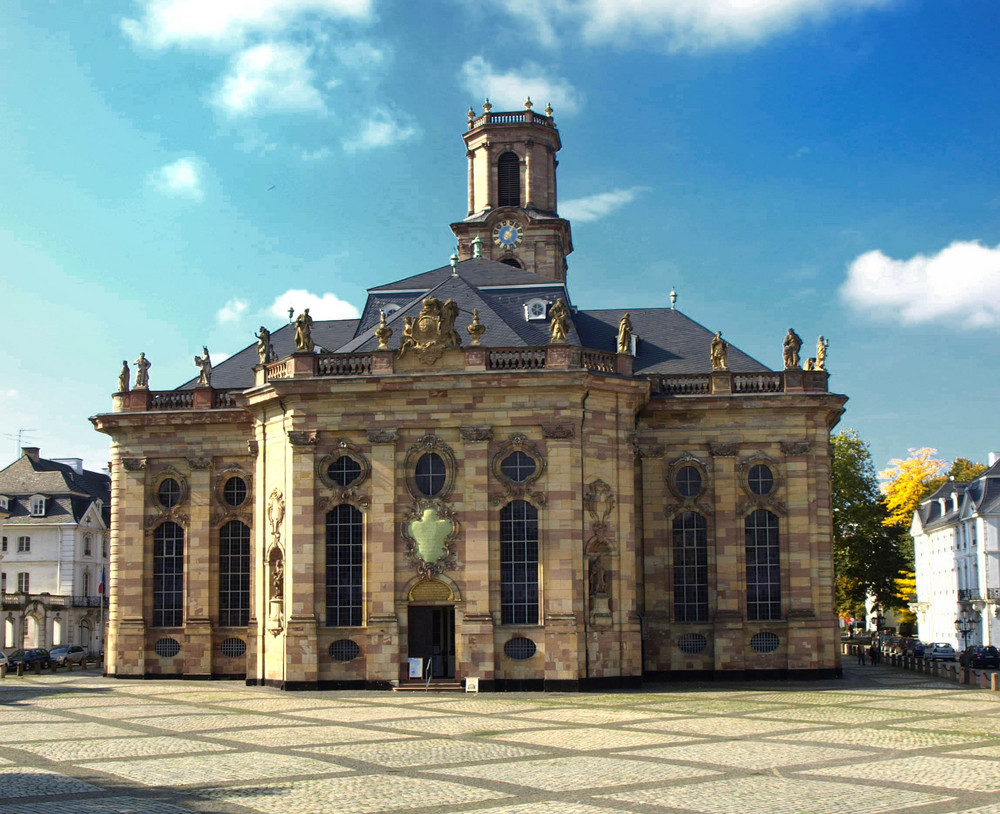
[178,172]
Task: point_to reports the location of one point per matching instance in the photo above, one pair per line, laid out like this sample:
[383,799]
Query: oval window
[235,491]
[344,471]
[688,481]
[519,648]
[168,493]
[518,466]
[429,474]
[761,480]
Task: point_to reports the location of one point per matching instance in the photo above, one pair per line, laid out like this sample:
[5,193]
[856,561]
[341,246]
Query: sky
[176,173]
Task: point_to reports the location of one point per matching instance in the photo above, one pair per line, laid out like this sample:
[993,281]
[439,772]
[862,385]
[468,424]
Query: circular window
[344,650]
[429,474]
[692,643]
[233,648]
[168,493]
[518,467]
[761,480]
[344,471]
[765,642]
[519,648]
[688,481]
[235,491]
[167,648]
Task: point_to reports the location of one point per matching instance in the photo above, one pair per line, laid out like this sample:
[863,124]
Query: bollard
[995,682]
[3,670]
[20,669]
[38,668]
[52,667]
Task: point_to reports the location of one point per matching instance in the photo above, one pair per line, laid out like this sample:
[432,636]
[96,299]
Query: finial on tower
[477,246]
[487,107]
[548,109]
[472,115]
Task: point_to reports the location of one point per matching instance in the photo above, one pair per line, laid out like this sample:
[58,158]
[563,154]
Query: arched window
[690,568]
[86,583]
[344,535]
[763,566]
[168,575]
[519,564]
[234,574]
[509,180]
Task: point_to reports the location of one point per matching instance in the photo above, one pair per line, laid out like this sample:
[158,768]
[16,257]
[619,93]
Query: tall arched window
[690,568]
[168,575]
[519,564]
[763,566]
[344,536]
[509,180]
[234,574]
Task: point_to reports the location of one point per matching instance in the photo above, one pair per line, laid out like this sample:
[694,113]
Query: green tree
[867,552]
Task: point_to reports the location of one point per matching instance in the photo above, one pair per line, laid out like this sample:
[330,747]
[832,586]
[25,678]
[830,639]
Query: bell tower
[512,191]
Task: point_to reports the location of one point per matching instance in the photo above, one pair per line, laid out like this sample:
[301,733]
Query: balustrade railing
[516,117]
[337,364]
[601,361]
[172,400]
[681,385]
[758,382]
[515,359]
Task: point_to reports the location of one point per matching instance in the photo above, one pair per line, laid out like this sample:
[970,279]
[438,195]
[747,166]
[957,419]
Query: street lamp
[966,623]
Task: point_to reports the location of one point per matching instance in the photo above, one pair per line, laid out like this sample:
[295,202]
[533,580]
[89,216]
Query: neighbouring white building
[956,545]
[53,552]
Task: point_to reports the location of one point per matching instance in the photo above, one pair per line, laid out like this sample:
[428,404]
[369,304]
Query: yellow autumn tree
[906,592]
[905,483]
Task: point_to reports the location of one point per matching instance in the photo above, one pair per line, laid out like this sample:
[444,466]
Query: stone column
[471,156]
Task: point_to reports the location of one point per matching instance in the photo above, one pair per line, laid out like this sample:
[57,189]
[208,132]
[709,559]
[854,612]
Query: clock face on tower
[508,234]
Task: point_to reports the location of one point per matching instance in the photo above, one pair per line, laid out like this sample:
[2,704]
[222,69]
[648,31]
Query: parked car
[3,659]
[919,648]
[67,653]
[28,657]
[940,650]
[980,656]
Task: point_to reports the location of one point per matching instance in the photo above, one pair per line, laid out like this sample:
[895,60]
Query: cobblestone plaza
[880,740]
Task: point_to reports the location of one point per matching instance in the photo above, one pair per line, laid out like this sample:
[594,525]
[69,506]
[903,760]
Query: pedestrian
[861,654]
[873,654]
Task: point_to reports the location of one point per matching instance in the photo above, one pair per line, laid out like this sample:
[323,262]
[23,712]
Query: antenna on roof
[20,432]
[673,299]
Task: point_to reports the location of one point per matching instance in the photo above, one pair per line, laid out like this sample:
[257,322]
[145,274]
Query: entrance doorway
[432,636]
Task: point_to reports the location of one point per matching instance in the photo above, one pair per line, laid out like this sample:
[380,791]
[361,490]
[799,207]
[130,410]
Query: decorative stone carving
[352,496]
[795,447]
[153,520]
[383,333]
[253,447]
[599,502]
[724,450]
[344,449]
[719,352]
[142,365]
[265,350]
[476,329]
[302,438]
[559,323]
[432,332]
[821,348]
[275,591]
[303,333]
[430,443]
[133,464]
[558,431]
[517,490]
[382,436]
[123,378]
[276,514]
[204,365]
[625,335]
[430,530]
[790,350]
[199,462]
[476,433]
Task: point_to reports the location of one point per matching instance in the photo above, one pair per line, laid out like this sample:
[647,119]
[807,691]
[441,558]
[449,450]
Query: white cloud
[382,129]
[363,58]
[960,285]
[677,25]
[595,207]
[228,23]
[180,179]
[321,154]
[321,306]
[232,310]
[507,90]
[273,77]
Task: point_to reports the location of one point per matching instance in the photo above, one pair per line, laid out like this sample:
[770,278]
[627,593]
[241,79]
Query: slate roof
[70,492]
[978,497]
[668,341]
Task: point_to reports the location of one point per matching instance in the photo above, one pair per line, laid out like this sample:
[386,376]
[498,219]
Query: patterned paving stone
[422,752]
[28,781]
[136,746]
[576,773]
[203,721]
[72,700]
[115,805]
[303,735]
[273,704]
[477,726]
[595,716]
[958,773]
[364,714]
[953,705]
[751,755]
[588,739]
[830,714]
[881,738]
[351,795]
[783,796]
[226,767]
[971,725]
[992,751]
[549,807]
[24,733]
[146,710]
[488,705]
[724,727]
[27,715]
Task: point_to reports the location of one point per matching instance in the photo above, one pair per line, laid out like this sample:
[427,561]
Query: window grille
[518,466]
[168,575]
[519,648]
[234,574]
[233,648]
[167,648]
[765,642]
[761,480]
[519,564]
[692,643]
[763,566]
[168,493]
[344,650]
[344,471]
[688,481]
[344,538]
[23,545]
[23,582]
[690,568]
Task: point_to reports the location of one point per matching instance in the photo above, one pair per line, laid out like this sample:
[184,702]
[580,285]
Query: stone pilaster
[303,526]
[380,557]
[730,560]
[198,572]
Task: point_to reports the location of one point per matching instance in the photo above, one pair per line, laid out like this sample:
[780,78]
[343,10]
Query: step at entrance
[436,685]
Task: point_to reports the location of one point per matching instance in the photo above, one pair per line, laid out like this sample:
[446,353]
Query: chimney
[954,501]
[76,464]
[31,452]
[993,458]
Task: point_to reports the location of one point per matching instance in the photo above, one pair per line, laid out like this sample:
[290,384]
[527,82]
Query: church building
[478,479]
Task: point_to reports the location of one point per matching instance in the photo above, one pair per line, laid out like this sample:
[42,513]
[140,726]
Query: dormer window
[536,310]
[4,503]
[37,505]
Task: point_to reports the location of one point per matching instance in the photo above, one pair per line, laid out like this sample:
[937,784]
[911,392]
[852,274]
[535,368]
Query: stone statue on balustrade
[719,352]
[559,323]
[142,365]
[204,365]
[123,378]
[625,335]
[303,333]
[790,350]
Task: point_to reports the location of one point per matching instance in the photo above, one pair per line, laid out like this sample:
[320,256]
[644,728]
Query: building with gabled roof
[478,479]
[54,552]
[956,552]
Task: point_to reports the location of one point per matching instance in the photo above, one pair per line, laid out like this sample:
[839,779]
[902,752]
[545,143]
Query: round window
[344,650]
[688,481]
[765,642]
[344,471]
[430,474]
[761,480]
[166,648]
[519,648]
[168,493]
[518,467]
[235,491]
[692,643]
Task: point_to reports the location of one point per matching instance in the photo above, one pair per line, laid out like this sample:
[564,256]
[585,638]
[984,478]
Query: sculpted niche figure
[625,335]
[559,322]
[204,364]
[790,350]
[720,350]
[265,350]
[303,333]
[123,378]
[598,577]
[142,365]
